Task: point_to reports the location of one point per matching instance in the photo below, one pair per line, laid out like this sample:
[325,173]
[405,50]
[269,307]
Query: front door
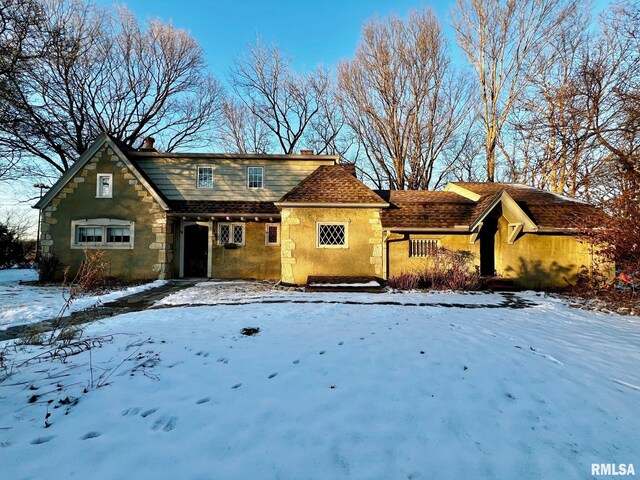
[488,247]
[196,250]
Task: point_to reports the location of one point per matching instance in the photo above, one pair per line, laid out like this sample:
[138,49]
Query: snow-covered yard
[24,304]
[332,390]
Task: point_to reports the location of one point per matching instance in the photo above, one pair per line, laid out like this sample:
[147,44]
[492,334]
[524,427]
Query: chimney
[306,152]
[148,144]
[349,167]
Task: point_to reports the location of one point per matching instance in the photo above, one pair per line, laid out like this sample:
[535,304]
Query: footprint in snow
[41,440]
[340,343]
[296,362]
[167,424]
[322,352]
[202,353]
[202,400]
[146,413]
[91,435]
[236,386]
[130,412]
[223,360]
[272,375]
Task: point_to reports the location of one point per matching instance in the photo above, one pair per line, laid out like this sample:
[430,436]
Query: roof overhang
[329,205]
[455,229]
[225,215]
[101,141]
[510,210]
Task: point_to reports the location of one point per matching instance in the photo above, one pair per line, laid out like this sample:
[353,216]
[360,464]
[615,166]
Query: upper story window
[104,187]
[255,177]
[332,235]
[205,177]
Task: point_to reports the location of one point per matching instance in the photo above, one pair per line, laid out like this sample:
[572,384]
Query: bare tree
[552,139]
[503,40]
[285,102]
[403,100]
[240,130]
[104,71]
[610,79]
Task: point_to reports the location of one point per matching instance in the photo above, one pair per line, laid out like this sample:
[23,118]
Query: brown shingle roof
[426,209]
[331,184]
[230,207]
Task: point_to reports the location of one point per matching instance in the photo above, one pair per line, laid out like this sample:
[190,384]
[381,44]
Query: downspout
[387,241]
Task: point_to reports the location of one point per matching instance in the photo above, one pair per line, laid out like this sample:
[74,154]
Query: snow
[25,304]
[334,390]
[243,292]
[372,283]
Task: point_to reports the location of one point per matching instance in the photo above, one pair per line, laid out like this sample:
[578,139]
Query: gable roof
[544,209]
[331,185]
[117,147]
[426,210]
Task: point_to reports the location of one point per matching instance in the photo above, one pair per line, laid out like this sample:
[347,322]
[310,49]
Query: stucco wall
[253,260]
[153,250]
[540,260]
[301,257]
[400,262]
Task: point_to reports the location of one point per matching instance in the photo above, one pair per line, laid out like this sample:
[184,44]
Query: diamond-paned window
[231,233]
[255,177]
[205,177]
[332,235]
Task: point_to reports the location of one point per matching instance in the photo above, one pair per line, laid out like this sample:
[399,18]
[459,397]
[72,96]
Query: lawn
[332,386]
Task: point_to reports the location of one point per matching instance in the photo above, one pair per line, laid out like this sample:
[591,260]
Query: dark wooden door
[196,250]
[488,247]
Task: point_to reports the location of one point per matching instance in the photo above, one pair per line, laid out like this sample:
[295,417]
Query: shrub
[11,248]
[48,266]
[451,270]
[406,281]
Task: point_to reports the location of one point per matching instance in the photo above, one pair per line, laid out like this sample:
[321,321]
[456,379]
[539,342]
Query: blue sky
[313,32]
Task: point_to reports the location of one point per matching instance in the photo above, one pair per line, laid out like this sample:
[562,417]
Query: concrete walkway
[131,303]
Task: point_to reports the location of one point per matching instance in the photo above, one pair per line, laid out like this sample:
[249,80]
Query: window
[255,177]
[421,248]
[103,233]
[332,235]
[205,177]
[231,233]
[272,234]
[104,187]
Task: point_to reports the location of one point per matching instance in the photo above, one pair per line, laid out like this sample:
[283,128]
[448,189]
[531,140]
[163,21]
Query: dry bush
[445,270]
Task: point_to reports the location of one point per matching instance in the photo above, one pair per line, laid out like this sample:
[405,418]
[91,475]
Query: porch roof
[222,208]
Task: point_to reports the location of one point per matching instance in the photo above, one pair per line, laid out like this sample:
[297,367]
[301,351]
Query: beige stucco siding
[176,177]
[398,251]
[153,232]
[301,256]
[541,260]
[253,260]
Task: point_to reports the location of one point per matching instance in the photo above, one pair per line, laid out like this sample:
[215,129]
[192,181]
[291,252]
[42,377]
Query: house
[288,217]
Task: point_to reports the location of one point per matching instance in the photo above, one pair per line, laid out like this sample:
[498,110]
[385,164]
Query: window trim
[231,225]
[346,235]
[104,175]
[104,224]
[266,235]
[213,183]
[261,167]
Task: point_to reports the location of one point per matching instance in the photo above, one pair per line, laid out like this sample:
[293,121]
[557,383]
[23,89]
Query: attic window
[422,248]
[104,187]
